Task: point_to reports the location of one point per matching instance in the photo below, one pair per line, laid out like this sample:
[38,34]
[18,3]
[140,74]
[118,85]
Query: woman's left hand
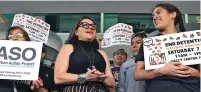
[101,76]
[193,72]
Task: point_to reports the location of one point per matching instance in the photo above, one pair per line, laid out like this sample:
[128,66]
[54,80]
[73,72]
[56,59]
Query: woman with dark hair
[18,34]
[173,77]
[80,65]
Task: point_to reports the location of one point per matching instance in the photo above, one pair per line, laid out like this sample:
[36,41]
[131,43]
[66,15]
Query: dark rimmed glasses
[87,25]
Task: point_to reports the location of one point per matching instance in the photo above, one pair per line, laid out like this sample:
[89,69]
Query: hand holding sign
[36,83]
[175,69]
[116,37]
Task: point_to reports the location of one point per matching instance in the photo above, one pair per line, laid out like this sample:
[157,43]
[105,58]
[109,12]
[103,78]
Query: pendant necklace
[91,62]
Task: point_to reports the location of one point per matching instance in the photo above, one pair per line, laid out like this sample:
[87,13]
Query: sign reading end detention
[37,29]
[184,47]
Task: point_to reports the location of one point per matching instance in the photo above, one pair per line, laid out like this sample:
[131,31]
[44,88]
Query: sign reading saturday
[20,60]
[37,29]
[184,47]
[119,34]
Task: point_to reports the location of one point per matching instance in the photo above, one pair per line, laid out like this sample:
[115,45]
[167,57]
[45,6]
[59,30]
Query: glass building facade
[64,22]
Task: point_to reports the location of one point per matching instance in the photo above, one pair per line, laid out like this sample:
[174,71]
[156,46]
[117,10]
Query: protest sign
[20,60]
[117,37]
[37,29]
[119,34]
[184,47]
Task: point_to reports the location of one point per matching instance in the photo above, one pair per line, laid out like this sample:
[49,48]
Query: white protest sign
[37,29]
[119,34]
[20,60]
[184,47]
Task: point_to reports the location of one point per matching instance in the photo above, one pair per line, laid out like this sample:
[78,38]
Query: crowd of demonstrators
[126,81]
[80,65]
[173,77]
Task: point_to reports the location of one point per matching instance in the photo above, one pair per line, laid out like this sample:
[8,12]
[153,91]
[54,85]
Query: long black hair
[139,34]
[171,8]
[73,39]
[25,34]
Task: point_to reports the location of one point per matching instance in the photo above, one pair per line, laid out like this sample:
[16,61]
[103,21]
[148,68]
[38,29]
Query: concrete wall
[11,7]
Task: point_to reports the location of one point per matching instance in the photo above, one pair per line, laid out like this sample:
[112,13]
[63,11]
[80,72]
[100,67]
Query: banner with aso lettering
[20,60]
[184,47]
[37,29]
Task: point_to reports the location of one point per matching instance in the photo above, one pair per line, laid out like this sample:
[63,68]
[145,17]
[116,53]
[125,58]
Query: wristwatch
[81,78]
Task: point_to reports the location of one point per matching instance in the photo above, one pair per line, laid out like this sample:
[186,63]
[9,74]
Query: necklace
[91,62]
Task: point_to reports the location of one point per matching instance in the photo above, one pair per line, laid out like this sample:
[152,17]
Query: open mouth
[157,21]
[135,51]
[89,32]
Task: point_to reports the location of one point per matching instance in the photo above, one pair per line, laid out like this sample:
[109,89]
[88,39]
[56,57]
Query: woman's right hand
[91,75]
[175,69]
